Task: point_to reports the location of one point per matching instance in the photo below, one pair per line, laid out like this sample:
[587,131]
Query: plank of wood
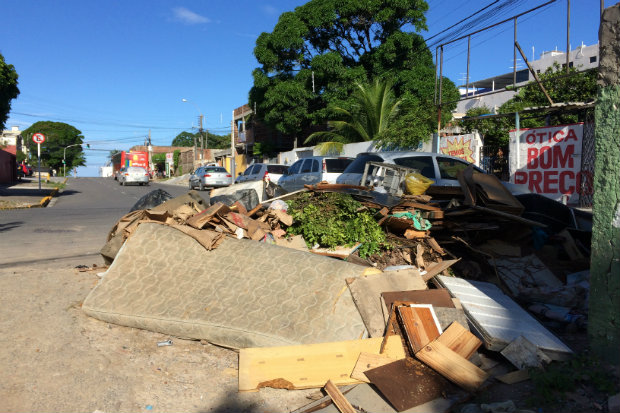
[418,205]
[200,220]
[419,324]
[513,377]
[340,401]
[367,361]
[419,258]
[438,268]
[366,292]
[435,246]
[452,366]
[308,366]
[412,234]
[458,339]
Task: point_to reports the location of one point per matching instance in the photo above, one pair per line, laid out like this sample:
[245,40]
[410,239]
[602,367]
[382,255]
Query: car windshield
[215,169]
[357,166]
[136,169]
[276,169]
[337,165]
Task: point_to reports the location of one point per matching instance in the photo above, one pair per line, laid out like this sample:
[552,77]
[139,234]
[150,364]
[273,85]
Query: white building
[13,137]
[491,92]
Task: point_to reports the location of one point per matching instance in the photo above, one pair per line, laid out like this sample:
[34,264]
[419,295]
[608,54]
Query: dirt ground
[55,358]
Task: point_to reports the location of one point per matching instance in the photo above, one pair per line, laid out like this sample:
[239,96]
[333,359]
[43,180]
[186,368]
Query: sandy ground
[55,358]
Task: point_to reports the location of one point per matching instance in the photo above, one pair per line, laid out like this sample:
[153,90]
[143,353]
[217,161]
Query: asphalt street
[76,223]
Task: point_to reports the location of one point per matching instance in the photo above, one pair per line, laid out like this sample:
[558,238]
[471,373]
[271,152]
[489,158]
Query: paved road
[75,225]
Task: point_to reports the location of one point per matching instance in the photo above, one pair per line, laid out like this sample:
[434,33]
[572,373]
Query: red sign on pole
[38,138]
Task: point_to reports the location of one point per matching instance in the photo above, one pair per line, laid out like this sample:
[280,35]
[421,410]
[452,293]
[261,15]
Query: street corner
[25,194]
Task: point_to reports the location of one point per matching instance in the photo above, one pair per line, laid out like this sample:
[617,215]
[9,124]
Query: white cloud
[187,16]
[269,9]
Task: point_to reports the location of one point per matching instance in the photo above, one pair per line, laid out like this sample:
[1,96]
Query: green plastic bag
[416,183]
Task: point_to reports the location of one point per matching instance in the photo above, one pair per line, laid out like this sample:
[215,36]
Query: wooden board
[438,298]
[367,361]
[458,339]
[408,383]
[419,324]
[437,269]
[340,401]
[308,366]
[452,366]
[366,292]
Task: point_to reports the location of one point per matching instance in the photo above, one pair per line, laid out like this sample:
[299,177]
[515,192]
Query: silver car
[133,175]
[266,172]
[209,177]
[312,170]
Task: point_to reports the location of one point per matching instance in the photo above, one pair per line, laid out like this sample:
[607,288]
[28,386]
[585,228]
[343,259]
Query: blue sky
[115,69]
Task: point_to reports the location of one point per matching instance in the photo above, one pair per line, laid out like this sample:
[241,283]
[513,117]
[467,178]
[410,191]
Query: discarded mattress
[241,294]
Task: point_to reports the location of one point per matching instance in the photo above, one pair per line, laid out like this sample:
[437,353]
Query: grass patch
[559,378]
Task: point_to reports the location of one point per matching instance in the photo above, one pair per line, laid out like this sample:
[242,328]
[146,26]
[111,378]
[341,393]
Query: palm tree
[374,110]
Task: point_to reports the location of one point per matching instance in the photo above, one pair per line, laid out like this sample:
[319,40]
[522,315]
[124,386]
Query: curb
[43,202]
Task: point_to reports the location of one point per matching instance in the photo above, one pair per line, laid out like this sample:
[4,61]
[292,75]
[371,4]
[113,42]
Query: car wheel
[201,186]
[190,186]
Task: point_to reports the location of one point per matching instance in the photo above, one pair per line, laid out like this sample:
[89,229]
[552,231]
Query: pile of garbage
[449,286]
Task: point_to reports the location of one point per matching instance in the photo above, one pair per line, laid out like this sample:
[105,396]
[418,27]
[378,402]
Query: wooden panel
[452,366]
[367,361]
[458,339]
[407,383]
[437,268]
[419,324]
[308,366]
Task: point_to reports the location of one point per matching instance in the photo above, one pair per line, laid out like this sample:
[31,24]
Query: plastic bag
[416,183]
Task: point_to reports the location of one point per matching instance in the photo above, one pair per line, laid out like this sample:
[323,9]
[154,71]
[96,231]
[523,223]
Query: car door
[287,182]
[256,173]
[244,177]
[305,177]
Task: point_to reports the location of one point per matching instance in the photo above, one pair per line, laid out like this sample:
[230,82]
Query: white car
[442,169]
[133,175]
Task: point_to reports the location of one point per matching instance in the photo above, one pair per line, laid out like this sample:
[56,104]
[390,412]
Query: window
[276,169]
[215,169]
[248,171]
[592,59]
[315,165]
[295,167]
[358,165]
[307,167]
[337,165]
[424,164]
[449,168]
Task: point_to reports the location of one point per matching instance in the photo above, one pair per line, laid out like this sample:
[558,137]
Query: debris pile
[447,286]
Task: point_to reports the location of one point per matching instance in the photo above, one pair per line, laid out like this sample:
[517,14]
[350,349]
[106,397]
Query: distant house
[12,141]
[492,93]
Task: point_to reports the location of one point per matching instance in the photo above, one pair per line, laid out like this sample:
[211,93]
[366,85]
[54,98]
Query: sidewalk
[25,193]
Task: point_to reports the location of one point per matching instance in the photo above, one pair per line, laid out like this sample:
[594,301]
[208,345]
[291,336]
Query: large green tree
[311,61]
[576,87]
[8,89]
[59,136]
[213,141]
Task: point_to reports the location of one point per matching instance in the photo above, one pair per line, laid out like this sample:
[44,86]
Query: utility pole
[232,146]
[149,149]
[202,138]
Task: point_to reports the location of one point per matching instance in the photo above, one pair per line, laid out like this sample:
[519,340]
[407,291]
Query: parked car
[209,177]
[312,170]
[266,172]
[133,175]
[440,168]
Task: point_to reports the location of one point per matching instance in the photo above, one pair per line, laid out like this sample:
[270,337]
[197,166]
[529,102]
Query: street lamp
[64,154]
[203,142]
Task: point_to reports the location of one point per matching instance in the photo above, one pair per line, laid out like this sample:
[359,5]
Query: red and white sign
[38,138]
[548,160]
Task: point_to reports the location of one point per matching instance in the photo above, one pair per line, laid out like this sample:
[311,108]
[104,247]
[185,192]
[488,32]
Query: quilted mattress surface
[241,294]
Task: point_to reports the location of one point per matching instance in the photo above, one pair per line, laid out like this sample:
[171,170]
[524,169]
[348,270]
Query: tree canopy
[213,141]
[8,89]
[311,61]
[577,87]
[58,135]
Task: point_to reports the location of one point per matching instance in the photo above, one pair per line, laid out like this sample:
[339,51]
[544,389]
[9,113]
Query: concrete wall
[604,312]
